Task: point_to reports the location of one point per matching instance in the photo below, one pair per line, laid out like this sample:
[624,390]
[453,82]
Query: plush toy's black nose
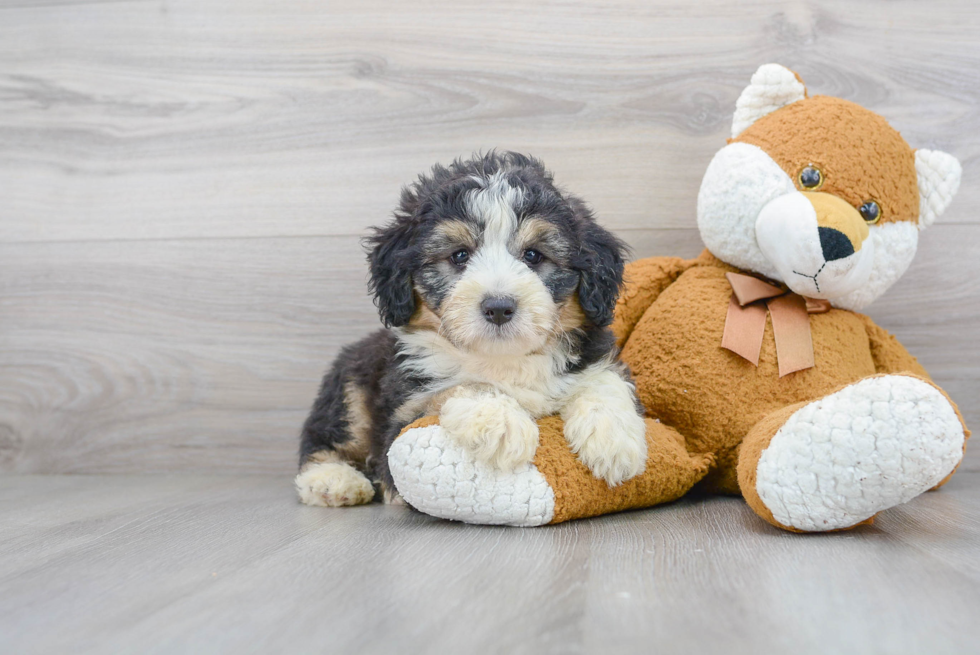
[835,244]
[499,309]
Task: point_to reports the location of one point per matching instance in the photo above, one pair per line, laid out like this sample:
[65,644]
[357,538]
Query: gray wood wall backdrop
[183,184]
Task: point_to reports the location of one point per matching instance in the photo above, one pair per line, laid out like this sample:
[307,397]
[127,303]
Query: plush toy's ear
[939,179]
[390,259]
[773,86]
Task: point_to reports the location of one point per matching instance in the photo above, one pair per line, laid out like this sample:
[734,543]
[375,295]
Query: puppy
[498,290]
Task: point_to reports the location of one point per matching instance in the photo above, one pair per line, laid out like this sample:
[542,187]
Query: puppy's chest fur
[538,381]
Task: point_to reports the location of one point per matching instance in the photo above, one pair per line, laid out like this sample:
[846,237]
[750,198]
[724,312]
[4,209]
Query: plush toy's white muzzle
[818,248]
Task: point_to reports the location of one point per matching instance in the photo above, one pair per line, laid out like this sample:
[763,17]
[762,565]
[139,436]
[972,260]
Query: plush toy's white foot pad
[873,445]
[437,477]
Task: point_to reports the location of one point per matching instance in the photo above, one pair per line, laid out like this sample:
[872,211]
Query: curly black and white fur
[498,290]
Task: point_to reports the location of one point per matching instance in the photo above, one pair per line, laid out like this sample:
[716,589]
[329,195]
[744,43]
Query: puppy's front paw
[494,428]
[611,442]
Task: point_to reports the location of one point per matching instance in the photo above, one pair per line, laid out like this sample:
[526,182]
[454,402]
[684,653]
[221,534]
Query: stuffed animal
[758,375]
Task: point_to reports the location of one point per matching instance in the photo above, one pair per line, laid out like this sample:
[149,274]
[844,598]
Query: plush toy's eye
[811,178]
[460,256]
[870,212]
[532,257]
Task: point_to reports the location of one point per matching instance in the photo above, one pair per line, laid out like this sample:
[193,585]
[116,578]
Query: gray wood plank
[233,564]
[187,119]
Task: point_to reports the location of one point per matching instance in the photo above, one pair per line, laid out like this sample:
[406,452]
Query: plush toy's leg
[436,476]
[834,463]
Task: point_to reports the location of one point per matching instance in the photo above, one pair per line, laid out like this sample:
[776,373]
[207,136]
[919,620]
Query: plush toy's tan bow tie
[745,324]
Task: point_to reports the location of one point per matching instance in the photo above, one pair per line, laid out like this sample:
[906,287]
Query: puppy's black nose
[835,244]
[499,309]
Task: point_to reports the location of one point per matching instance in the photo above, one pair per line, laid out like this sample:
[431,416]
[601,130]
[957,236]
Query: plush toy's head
[819,193]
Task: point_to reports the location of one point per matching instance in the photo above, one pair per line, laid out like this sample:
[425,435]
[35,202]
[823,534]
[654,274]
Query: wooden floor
[128,564]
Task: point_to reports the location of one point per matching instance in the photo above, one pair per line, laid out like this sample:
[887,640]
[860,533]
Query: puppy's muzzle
[498,309]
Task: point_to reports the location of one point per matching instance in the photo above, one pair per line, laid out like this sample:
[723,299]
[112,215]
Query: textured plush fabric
[939,180]
[645,281]
[434,476]
[834,464]
[772,87]
[715,398]
[860,155]
[889,355]
[711,395]
[670,472]
[750,451]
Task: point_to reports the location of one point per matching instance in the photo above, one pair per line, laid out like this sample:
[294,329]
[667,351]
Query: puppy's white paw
[611,441]
[333,484]
[494,428]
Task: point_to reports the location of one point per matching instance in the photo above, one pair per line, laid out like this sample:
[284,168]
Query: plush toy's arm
[889,355]
[644,280]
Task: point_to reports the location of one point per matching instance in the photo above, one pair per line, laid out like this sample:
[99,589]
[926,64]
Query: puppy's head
[493,256]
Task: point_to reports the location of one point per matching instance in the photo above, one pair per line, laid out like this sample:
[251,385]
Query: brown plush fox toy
[757,373]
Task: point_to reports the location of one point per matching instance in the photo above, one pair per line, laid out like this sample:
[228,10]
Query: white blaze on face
[752,216]
[494,271]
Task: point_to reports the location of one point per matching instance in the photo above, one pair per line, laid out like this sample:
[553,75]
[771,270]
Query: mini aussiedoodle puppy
[497,290]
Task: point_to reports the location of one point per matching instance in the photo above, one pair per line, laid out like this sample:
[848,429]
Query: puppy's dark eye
[532,257]
[460,257]
[811,178]
[870,212]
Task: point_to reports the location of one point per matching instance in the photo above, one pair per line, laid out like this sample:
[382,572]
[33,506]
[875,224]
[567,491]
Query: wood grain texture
[184,184]
[157,564]
[286,118]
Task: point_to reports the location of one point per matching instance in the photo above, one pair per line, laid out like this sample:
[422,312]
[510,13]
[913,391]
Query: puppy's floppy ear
[390,258]
[600,267]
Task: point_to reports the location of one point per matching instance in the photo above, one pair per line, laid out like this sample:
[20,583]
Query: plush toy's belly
[711,395]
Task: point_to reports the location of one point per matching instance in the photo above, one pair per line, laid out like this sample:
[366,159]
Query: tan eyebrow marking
[534,229]
[452,233]
[539,232]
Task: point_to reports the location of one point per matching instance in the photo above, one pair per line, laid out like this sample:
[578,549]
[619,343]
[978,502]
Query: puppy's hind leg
[335,445]
[333,484]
